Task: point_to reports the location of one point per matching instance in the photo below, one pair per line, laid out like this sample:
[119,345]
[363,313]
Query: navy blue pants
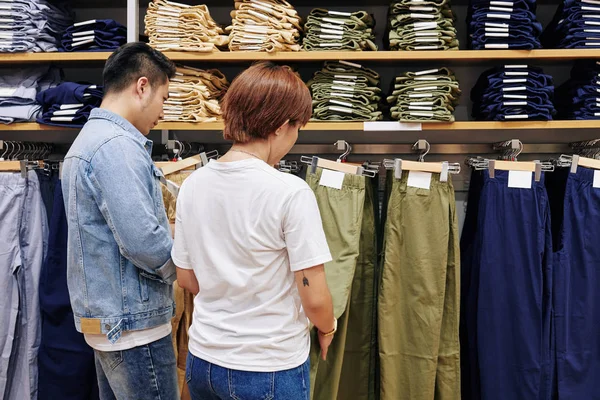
[65,361]
[576,285]
[508,278]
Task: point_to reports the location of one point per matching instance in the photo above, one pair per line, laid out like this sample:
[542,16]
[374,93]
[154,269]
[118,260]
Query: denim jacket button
[107,327]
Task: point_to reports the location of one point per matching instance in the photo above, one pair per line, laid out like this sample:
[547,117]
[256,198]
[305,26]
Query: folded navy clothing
[575,26]
[71,93]
[69,117]
[94,35]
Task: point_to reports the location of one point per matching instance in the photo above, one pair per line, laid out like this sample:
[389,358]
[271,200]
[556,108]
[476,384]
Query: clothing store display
[574,200]
[421,25]
[94,35]
[576,25]
[344,92]
[194,95]
[349,216]
[266,25]
[428,96]
[24,232]
[33,25]
[18,91]
[503,25]
[64,357]
[335,30]
[179,27]
[69,104]
[579,97]
[513,92]
[419,293]
[507,275]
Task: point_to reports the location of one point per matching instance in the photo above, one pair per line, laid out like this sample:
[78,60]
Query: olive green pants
[418,307]
[349,223]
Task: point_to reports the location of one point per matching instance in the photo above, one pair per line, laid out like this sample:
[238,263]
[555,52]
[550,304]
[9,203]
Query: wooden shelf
[456,126]
[352,126]
[317,56]
[385,56]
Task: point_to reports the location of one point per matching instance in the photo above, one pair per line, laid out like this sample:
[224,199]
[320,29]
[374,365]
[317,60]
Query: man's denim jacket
[119,267]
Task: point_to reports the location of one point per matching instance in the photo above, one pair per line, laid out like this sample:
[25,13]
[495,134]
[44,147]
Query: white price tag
[419,179]
[332,179]
[596,179]
[519,179]
[381,126]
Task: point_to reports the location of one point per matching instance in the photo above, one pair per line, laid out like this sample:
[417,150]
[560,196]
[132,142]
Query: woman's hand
[324,342]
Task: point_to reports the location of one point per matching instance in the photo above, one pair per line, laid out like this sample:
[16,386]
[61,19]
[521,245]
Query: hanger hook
[5,150]
[346,153]
[519,151]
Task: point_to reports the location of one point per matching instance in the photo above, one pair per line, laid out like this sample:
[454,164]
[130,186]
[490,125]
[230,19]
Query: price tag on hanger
[596,179]
[519,179]
[332,179]
[419,179]
[381,126]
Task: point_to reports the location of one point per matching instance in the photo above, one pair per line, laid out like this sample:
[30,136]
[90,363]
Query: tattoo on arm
[305,280]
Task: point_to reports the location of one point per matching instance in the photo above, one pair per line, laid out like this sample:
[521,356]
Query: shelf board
[458,55]
[12,58]
[350,126]
[456,126]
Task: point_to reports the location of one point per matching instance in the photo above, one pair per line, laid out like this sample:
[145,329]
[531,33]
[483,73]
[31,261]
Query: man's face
[153,99]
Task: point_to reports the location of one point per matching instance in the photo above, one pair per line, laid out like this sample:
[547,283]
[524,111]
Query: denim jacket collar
[132,131]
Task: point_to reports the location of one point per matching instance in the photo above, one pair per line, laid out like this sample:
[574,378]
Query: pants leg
[146,372]
[342,215]
[418,286]
[358,372]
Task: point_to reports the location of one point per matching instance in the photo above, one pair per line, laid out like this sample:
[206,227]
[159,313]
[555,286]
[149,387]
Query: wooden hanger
[585,162]
[199,160]
[529,166]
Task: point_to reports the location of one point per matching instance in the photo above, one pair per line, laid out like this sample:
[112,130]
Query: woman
[249,240]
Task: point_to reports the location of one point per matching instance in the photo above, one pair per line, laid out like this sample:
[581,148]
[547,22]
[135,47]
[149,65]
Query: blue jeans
[207,381]
[143,373]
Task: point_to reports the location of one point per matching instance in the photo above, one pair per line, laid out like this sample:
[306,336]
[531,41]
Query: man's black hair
[132,61]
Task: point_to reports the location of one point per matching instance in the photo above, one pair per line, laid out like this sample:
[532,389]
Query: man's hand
[325,341]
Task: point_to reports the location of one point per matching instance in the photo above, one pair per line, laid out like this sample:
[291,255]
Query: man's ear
[142,85]
[281,128]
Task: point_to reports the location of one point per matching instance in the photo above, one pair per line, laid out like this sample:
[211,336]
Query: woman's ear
[281,129]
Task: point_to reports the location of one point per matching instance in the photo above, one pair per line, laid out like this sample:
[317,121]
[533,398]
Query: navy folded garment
[71,93]
[94,35]
[576,25]
[72,115]
[579,97]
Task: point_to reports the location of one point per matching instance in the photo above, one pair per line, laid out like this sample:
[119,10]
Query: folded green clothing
[396,6]
[344,44]
[336,67]
[358,98]
[339,113]
[359,15]
[422,116]
[346,22]
[344,102]
[437,45]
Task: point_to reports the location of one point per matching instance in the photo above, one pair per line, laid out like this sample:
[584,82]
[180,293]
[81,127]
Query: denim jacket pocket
[146,280]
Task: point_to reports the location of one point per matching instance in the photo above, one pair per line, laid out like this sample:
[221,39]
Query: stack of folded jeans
[18,91]
[180,27]
[69,104]
[334,30]
[513,92]
[343,92]
[94,35]
[265,25]
[576,25]
[421,25]
[506,24]
[425,96]
[579,97]
[194,95]
[33,25]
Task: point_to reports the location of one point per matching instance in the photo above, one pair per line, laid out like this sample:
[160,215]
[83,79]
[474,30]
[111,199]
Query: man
[119,241]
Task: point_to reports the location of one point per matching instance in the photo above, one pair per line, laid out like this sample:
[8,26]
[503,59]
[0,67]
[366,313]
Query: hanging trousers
[419,293]
[576,276]
[508,289]
[64,356]
[349,224]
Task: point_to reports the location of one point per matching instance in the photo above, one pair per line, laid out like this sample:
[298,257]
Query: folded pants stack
[194,95]
[33,25]
[427,96]
[94,35]
[69,104]
[503,25]
[180,27]
[513,92]
[342,92]
[334,30]
[18,91]
[421,25]
[576,25]
[266,25]
[579,97]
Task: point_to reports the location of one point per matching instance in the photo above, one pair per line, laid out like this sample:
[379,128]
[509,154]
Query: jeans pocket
[251,385]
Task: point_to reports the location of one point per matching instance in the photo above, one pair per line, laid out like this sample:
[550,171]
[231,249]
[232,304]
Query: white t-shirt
[244,228]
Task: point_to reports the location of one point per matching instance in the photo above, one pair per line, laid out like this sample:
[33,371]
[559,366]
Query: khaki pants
[349,223]
[418,309]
